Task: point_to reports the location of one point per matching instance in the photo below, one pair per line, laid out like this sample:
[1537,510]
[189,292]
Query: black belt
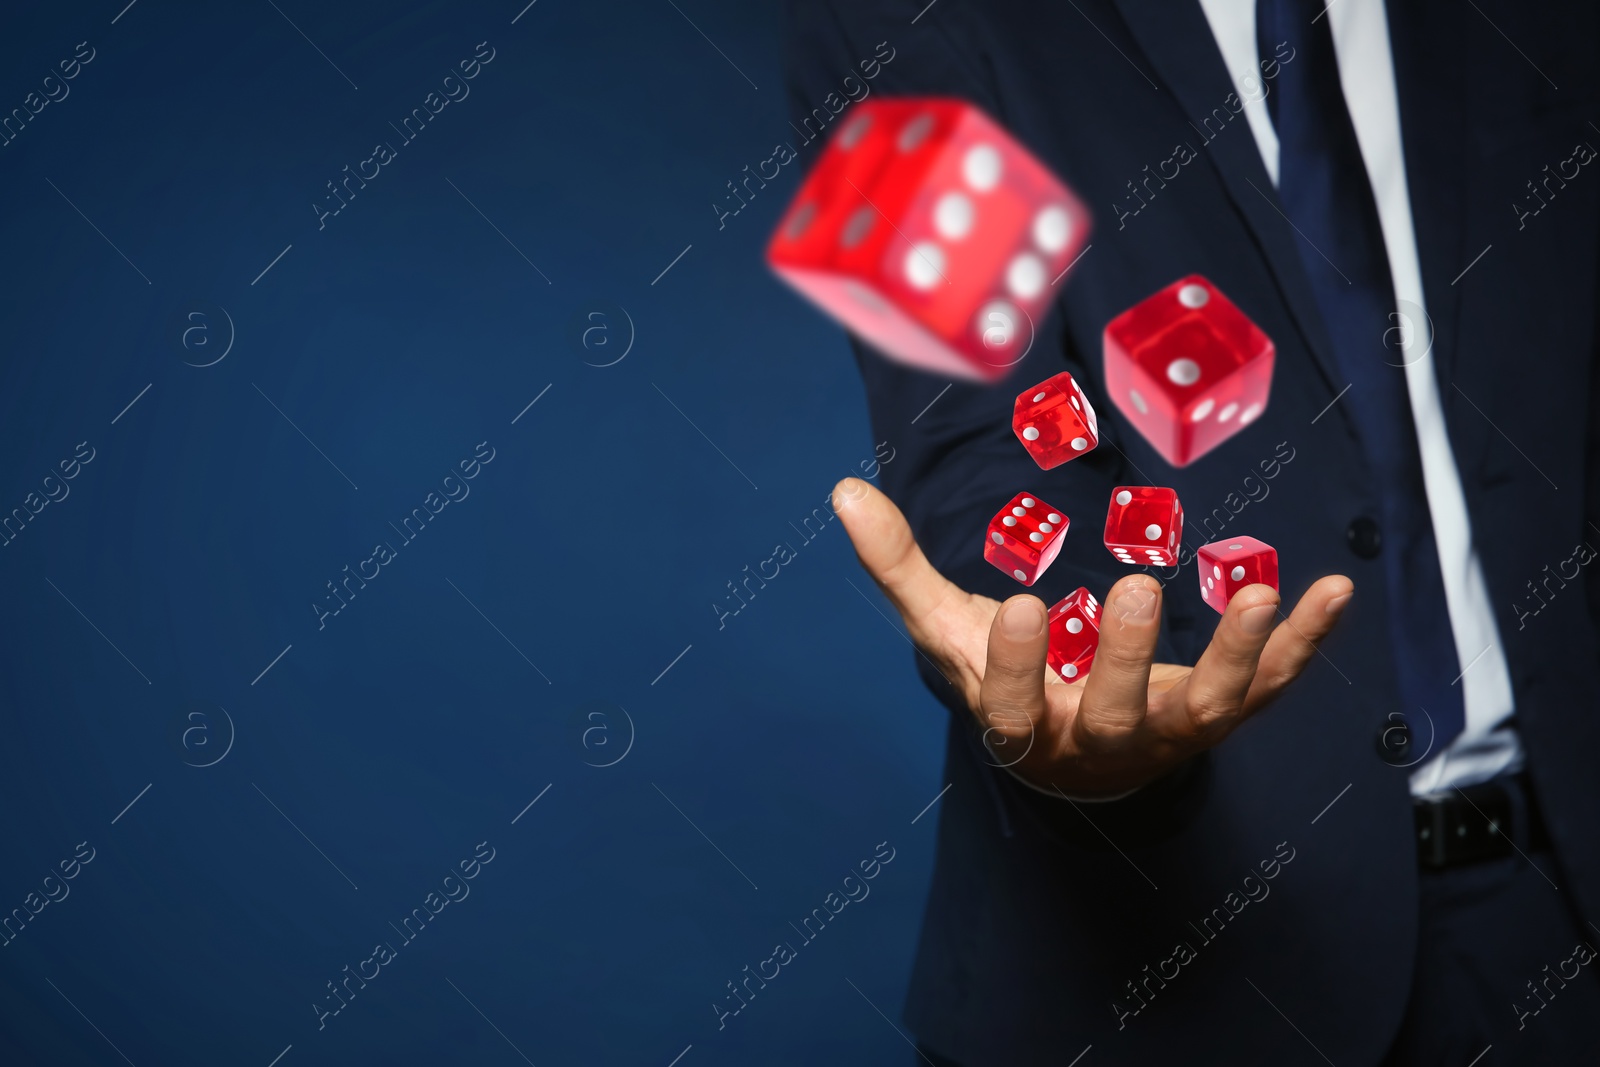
[1481,822]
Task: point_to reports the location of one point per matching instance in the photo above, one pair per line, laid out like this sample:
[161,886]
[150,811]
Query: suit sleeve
[957,459]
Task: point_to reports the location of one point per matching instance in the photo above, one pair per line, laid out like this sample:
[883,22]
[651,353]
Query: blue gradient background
[408,730]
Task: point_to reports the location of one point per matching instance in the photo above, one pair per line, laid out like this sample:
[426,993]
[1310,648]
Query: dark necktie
[1324,190]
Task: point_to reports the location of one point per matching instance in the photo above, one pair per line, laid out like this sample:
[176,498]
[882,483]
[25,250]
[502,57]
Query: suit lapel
[1177,41]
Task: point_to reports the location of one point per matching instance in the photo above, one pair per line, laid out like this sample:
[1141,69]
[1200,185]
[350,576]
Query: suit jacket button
[1364,537]
[1393,741]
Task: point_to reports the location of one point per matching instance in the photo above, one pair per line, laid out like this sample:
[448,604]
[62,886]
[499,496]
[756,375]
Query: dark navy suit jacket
[1189,922]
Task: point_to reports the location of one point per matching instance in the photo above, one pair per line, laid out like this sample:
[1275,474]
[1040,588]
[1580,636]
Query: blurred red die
[931,233]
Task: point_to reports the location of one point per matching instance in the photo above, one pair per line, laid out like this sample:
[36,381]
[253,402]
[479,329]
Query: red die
[1228,566]
[1025,538]
[1074,634]
[1055,421]
[928,231]
[1187,368]
[1144,525]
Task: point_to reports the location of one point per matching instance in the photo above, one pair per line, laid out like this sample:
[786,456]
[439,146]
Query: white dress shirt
[1487,746]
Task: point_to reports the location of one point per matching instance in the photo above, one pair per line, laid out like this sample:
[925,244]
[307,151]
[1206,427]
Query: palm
[1129,719]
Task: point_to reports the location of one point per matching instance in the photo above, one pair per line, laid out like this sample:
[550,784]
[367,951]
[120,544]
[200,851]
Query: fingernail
[1336,605]
[1259,619]
[1021,620]
[1135,603]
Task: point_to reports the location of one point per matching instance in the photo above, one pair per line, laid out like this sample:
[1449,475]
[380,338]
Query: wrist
[1156,811]
[1049,788]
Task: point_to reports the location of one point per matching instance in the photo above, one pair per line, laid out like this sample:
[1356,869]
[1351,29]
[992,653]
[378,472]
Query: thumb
[884,543]
[1012,700]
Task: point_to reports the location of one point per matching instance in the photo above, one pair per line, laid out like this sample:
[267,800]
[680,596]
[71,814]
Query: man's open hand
[1130,720]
